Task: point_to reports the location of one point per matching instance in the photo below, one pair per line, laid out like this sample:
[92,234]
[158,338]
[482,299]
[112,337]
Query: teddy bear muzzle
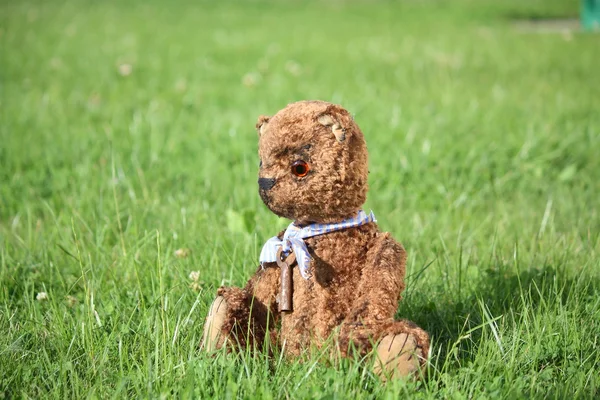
[264,186]
[266,183]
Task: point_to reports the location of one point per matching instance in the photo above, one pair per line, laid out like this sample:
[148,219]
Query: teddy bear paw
[398,356]
[214,322]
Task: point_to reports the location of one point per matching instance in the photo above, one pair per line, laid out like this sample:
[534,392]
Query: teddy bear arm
[371,318]
[263,289]
[381,283]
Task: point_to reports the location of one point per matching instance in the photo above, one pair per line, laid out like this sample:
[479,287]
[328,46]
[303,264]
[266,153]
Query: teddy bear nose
[266,183]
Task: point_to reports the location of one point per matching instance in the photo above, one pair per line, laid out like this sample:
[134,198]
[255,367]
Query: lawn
[128,161]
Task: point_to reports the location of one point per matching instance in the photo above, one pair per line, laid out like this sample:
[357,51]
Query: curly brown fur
[357,273]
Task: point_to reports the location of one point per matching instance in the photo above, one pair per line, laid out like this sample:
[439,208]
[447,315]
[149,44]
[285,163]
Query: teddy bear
[332,273]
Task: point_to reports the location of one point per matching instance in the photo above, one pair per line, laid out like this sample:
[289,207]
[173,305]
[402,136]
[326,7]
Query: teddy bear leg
[228,320]
[213,335]
[241,317]
[398,356]
[402,352]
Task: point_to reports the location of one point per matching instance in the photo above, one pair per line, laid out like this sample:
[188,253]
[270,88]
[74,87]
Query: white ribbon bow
[293,239]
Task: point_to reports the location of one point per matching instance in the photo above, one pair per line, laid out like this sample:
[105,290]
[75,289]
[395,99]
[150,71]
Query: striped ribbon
[293,239]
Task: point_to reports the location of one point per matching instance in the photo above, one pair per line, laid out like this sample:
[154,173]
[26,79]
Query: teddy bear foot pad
[214,322]
[398,356]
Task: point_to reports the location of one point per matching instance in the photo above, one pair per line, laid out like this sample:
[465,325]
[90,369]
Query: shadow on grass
[497,293]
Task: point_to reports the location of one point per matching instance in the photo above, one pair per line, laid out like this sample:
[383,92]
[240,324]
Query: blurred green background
[127,133]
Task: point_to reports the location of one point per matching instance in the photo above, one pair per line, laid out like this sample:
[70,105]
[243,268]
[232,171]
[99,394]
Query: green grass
[484,161]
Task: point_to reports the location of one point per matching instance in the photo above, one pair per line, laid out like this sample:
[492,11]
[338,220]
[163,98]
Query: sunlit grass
[128,161]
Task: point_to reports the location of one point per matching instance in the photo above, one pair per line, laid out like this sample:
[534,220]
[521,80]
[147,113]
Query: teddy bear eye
[300,168]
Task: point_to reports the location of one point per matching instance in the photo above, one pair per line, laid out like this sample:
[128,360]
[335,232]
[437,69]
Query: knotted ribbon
[293,239]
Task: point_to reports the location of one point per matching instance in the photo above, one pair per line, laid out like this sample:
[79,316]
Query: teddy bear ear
[261,124]
[336,128]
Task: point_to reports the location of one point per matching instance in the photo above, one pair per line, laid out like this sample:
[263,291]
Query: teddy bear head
[313,163]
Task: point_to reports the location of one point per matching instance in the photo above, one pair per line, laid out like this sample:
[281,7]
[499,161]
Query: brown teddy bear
[332,273]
